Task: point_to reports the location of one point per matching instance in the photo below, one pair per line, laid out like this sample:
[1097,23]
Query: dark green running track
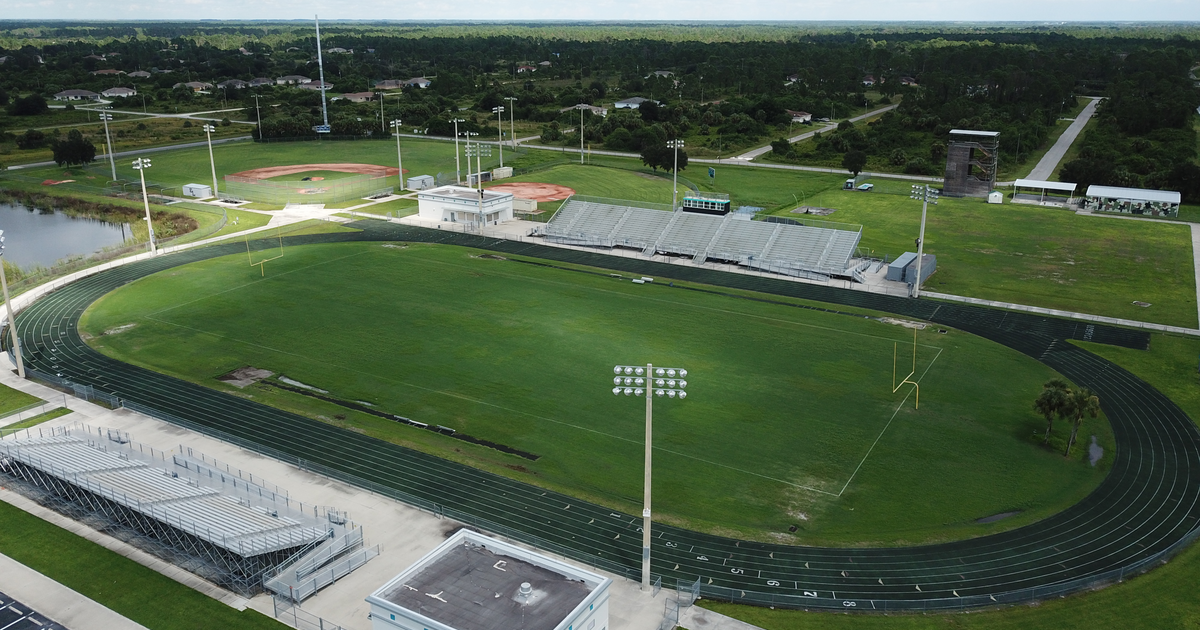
[1144,510]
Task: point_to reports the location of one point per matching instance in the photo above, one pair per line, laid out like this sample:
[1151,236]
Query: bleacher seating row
[772,246]
[221,520]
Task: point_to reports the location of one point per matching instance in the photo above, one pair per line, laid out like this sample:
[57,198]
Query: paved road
[123,154]
[750,155]
[1148,503]
[1049,163]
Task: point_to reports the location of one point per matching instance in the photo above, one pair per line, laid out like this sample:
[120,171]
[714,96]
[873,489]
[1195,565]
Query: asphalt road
[1049,162]
[1147,506]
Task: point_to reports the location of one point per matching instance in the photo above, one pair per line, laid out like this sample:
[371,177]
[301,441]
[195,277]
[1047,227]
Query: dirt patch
[118,330]
[903,322]
[824,212]
[1095,452]
[996,517]
[536,191]
[244,376]
[342,167]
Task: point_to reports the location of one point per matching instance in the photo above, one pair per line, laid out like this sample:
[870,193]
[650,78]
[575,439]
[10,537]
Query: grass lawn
[398,208]
[126,587]
[11,399]
[38,419]
[1032,255]
[445,337]
[598,181]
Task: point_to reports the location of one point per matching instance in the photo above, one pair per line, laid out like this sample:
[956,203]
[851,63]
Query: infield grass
[791,419]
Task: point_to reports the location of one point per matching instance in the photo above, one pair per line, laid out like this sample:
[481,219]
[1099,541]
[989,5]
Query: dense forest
[720,91]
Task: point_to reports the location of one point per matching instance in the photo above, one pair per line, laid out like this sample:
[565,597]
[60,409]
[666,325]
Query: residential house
[357,97]
[599,111]
[197,86]
[661,74]
[799,117]
[544,64]
[868,80]
[119,91]
[792,78]
[389,84]
[340,51]
[139,74]
[631,103]
[521,69]
[420,82]
[76,95]
[108,72]
[908,81]
[292,79]
[315,85]
[234,84]
[260,81]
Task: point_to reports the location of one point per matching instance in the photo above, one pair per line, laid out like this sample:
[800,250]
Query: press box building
[474,582]
[459,204]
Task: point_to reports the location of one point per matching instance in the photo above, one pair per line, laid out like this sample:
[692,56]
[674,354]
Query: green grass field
[786,404]
[324,175]
[122,585]
[11,399]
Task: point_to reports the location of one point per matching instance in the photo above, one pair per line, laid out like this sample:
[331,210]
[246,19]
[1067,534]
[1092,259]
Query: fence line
[30,411]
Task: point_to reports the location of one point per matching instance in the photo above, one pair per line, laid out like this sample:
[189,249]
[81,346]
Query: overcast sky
[723,10]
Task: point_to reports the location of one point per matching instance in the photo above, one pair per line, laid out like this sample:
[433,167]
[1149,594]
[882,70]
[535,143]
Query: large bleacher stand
[814,249]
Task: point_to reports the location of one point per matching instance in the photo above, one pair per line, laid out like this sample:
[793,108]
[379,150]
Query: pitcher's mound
[536,191]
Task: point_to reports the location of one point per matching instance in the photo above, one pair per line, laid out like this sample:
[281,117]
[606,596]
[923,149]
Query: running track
[1146,507]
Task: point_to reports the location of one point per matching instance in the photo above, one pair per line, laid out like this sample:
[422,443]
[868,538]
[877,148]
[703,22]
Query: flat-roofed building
[474,582]
[459,204]
[1157,203]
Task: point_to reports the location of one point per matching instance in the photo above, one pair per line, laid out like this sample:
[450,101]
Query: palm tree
[1052,402]
[1081,403]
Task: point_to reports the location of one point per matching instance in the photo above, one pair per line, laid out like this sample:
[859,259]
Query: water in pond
[41,237]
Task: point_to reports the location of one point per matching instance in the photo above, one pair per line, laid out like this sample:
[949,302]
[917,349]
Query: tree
[31,139]
[854,161]
[780,146]
[74,150]
[1051,402]
[1081,404]
[29,106]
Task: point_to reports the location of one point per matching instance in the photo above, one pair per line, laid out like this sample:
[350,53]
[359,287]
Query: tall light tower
[324,128]
[258,113]
[581,107]
[512,130]
[208,129]
[500,131]
[399,158]
[676,145]
[477,151]
[105,116]
[140,165]
[635,380]
[457,167]
[12,321]
[926,194]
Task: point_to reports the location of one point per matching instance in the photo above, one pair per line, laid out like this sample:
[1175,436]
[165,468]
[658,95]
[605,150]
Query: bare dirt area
[244,376]
[344,167]
[536,191]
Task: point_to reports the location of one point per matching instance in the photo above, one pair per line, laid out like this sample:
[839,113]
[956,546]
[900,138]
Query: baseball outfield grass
[792,419]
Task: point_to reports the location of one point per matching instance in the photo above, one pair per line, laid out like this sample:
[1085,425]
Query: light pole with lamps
[12,321]
[676,145]
[635,380]
[208,129]
[140,165]
[477,151]
[581,107]
[105,116]
[512,129]
[925,194]
[500,131]
[457,167]
[399,158]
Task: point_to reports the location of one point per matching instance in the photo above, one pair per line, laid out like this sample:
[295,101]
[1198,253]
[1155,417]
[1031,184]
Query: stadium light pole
[399,158]
[12,321]
[676,145]
[140,165]
[635,380]
[925,194]
[457,166]
[105,116]
[208,129]
[580,107]
[512,129]
[500,131]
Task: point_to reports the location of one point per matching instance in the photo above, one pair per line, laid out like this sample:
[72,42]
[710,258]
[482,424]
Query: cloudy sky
[841,10]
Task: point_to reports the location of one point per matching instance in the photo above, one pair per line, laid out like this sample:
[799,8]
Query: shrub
[187,123]
[225,122]
[918,166]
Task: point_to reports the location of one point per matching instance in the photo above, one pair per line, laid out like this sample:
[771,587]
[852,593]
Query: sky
[623,10]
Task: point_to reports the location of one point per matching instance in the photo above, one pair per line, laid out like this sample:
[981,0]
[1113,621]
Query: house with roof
[196,86]
[661,74]
[95,56]
[632,103]
[315,85]
[139,74]
[76,95]
[232,84]
[338,50]
[389,84]
[420,82]
[292,79]
[798,116]
[868,80]
[121,92]
[599,111]
[791,79]
[107,72]
[521,69]
[544,64]
[260,81]
[908,81]
[356,97]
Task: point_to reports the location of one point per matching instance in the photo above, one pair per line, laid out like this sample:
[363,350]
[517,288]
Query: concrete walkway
[56,601]
[1049,163]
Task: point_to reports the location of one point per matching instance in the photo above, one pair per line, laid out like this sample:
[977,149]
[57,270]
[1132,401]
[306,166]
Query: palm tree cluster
[1059,400]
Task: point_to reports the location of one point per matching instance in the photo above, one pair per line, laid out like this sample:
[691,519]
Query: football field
[791,419]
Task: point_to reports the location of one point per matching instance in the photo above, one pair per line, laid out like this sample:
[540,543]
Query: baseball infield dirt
[276,171]
[536,191]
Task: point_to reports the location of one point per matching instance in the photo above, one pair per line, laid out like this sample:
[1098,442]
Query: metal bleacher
[820,248]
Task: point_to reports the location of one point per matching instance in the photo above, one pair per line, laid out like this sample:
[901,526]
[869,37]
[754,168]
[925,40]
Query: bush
[69,107]
[31,139]
[187,123]
[781,146]
[918,166]
[620,140]
[898,157]
[29,106]
[141,126]
[225,122]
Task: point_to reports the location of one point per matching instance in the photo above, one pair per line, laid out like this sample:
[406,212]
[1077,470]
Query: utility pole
[500,131]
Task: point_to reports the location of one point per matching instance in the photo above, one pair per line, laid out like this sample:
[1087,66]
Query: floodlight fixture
[926,194]
[208,129]
[399,159]
[105,116]
[140,165]
[500,131]
[676,145]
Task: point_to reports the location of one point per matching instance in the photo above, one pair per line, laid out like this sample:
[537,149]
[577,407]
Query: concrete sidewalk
[56,601]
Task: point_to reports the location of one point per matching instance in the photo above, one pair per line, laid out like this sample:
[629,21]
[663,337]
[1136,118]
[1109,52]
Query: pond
[35,236]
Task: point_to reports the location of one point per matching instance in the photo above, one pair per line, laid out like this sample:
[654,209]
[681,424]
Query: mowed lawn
[598,181]
[784,405]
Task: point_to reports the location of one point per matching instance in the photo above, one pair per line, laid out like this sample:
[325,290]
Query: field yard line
[889,423]
[707,308]
[243,286]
